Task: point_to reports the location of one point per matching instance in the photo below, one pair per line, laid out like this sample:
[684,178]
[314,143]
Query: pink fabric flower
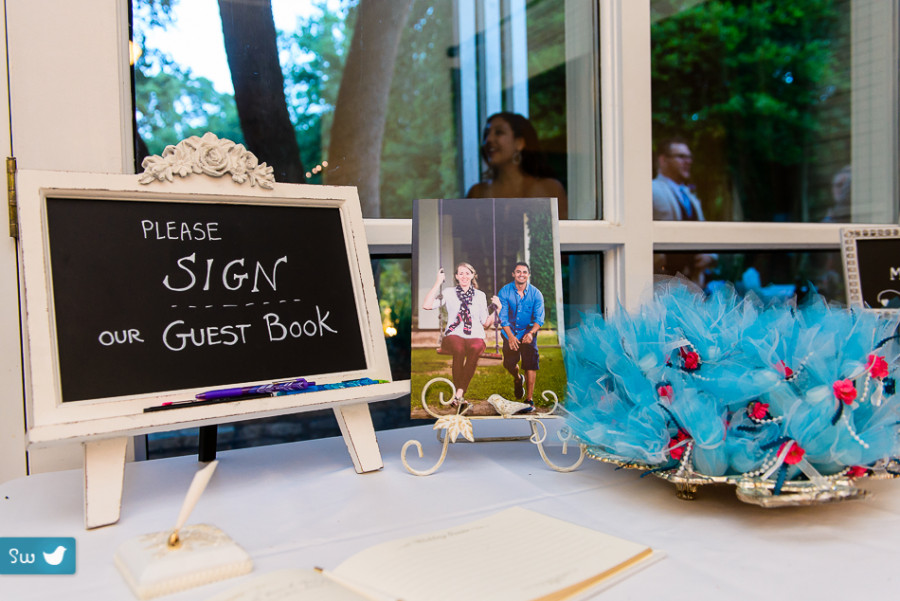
[785,371]
[691,360]
[758,410]
[666,391]
[677,452]
[877,366]
[844,390]
[794,455]
[857,471]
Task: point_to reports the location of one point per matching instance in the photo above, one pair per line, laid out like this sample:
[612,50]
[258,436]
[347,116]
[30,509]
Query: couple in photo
[519,309]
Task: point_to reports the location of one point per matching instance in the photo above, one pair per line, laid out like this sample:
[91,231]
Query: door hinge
[11,197]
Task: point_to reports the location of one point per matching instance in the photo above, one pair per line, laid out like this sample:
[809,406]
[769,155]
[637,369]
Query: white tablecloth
[302,505]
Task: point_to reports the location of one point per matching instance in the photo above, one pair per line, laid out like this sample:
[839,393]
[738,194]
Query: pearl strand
[767,420]
[683,464]
[768,462]
[855,436]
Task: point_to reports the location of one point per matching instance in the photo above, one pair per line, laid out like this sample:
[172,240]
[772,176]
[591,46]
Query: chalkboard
[155,296]
[872,267]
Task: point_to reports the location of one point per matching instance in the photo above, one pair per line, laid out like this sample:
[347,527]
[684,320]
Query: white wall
[12,417]
[69,104]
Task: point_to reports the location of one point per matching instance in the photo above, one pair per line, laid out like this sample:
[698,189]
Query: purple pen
[298,384]
[229,392]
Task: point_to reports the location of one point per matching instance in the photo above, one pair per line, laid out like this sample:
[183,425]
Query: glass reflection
[390,97]
[758,92]
[773,274]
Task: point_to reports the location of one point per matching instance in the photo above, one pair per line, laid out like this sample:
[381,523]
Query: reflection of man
[839,212]
[521,316]
[674,201]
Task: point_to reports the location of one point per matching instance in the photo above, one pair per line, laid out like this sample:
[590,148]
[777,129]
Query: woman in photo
[468,316]
[517,167]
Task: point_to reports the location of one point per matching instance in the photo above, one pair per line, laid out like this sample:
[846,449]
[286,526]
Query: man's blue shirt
[520,312]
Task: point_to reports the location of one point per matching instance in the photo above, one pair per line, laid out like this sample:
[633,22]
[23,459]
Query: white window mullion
[491,72]
[582,101]
[515,69]
[874,119]
[626,147]
[706,235]
[465,31]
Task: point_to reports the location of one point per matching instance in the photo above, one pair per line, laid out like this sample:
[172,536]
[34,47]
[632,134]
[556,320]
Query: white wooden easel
[104,458]
[103,426]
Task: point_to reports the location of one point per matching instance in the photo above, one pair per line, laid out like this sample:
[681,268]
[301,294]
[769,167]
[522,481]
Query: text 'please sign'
[155,296]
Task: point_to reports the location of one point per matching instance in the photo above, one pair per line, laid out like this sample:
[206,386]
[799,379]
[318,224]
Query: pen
[298,384]
[265,390]
[199,402]
[313,387]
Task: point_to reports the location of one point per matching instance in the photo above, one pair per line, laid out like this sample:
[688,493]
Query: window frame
[96,89]
[626,172]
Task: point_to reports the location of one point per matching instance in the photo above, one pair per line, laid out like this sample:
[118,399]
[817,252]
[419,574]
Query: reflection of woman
[516,166]
[468,315]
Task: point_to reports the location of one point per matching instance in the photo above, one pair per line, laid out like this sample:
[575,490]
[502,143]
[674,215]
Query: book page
[290,584]
[514,555]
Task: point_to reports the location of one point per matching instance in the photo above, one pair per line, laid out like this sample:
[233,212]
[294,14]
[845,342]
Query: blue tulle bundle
[734,386]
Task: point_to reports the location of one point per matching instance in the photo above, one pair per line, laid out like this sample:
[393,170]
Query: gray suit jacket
[667,206]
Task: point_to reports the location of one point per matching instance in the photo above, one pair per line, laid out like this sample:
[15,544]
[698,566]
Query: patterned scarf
[464,316]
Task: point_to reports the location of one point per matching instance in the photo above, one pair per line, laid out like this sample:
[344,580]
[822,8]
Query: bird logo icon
[55,558]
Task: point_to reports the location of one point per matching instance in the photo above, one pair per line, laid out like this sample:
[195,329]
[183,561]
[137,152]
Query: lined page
[514,555]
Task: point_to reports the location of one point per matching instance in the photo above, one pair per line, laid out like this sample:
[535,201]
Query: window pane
[582,283]
[768,274]
[771,105]
[391,97]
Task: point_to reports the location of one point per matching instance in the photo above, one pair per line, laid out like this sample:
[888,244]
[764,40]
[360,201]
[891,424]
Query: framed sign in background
[140,296]
[871,257]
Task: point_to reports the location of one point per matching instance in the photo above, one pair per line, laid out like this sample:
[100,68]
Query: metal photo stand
[450,426]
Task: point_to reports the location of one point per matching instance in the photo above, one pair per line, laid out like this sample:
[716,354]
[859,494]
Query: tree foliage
[747,82]
[360,114]
[313,62]
[543,263]
[419,158]
[171,104]
[251,47]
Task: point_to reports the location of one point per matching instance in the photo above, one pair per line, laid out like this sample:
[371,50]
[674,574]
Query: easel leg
[104,476]
[359,434]
[207,439]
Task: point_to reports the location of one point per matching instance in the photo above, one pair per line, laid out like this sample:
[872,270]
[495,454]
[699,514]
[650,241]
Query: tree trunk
[354,156]
[250,45]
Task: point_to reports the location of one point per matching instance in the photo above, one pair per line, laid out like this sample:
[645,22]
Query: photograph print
[486,306]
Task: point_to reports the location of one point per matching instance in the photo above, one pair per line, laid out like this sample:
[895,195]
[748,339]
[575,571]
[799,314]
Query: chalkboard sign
[155,296]
[138,297]
[872,267]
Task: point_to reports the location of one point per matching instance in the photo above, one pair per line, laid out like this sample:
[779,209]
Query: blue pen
[292,385]
[313,387]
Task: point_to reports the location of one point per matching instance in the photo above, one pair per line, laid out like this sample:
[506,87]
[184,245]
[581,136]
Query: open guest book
[513,555]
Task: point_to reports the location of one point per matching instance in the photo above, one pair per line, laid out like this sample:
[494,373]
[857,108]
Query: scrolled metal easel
[451,426]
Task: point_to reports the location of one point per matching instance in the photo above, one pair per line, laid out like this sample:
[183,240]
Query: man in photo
[521,316]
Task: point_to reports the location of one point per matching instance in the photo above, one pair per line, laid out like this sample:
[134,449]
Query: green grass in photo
[490,376]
